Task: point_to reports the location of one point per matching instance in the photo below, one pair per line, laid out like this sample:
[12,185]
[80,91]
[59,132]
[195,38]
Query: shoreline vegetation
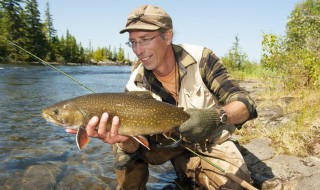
[92,62]
[289,69]
[21,28]
[289,117]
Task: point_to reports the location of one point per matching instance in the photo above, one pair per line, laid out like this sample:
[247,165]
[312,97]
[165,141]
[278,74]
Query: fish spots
[138,115]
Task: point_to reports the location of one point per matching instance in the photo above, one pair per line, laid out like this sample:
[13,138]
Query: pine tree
[82,56]
[70,50]
[115,54]
[62,49]
[36,39]
[48,28]
[235,59]
[50,34]
[120,56]
[110,55]
[13,27]
[4,53]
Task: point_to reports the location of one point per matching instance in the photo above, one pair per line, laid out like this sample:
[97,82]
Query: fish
[140,114]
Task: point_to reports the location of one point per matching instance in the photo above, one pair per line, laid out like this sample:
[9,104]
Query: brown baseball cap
[147,17]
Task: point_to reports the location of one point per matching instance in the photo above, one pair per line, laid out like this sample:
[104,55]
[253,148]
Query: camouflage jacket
[212,74]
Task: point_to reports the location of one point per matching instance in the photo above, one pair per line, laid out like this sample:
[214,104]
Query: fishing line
[48,64]
[233,177]
[230,175]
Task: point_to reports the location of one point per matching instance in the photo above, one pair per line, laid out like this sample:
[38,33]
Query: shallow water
[37,155]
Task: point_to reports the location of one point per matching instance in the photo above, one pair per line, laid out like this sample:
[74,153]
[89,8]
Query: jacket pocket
[198,97]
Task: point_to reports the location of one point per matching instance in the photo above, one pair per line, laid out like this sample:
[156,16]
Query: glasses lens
[129,44]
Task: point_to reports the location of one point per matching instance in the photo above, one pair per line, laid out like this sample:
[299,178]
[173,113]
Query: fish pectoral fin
[142,140]
[82,138]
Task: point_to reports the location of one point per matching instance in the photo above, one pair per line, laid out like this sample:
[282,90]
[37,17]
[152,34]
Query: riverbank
[91,62]
[271,167]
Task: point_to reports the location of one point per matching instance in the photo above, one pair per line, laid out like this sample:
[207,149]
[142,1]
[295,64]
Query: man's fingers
[103,123]
[92,125]
[114,127]
[102,132]
[71,131]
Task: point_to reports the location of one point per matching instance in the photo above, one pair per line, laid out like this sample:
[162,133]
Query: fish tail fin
[142,140]
[82,138]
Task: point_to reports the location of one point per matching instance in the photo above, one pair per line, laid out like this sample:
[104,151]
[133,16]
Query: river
[35,154]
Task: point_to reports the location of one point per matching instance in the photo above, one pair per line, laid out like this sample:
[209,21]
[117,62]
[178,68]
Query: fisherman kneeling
[187,76]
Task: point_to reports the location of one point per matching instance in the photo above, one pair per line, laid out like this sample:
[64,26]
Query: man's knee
[134,176]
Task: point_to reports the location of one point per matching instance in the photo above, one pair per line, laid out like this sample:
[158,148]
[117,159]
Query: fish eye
[55,111]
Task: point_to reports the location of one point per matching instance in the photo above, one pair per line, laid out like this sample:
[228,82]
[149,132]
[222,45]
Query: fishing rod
[233,177]
[47,64]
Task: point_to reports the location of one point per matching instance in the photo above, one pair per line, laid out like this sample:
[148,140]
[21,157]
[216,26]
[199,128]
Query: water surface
[37,155]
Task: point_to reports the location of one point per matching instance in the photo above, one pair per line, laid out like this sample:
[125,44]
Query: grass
[252,73]
[300,132]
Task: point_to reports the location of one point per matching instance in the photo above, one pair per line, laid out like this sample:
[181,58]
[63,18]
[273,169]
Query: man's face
[150,47]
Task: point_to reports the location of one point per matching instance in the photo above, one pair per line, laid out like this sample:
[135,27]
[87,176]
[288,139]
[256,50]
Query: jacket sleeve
[219,82]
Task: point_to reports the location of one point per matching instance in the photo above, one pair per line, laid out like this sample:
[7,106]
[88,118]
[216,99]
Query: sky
[209,23]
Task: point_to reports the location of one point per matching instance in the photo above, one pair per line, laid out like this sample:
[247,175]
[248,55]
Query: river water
[35,154]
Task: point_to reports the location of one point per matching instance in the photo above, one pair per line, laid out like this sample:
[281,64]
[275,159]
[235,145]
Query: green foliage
[120,55]
[35,39]
[3,47]
[13,27]
[250,71]
[235,59]
[100,54]
[48,28]
[23,26]
[296,56]
[303,27]
[115,54]
[110,55]
[272,48]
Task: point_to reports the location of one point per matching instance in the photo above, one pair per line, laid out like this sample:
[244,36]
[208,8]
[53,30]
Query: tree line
[20,22]
[294,58]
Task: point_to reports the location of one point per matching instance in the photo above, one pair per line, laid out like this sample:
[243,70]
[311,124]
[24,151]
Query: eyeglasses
[142,42]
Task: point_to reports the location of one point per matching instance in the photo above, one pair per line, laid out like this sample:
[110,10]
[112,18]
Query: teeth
[144,59]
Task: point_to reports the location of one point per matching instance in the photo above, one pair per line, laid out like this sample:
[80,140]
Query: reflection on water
[38,155]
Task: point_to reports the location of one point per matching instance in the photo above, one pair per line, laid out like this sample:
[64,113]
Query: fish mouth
[46,116]
[51,119]
[58,122]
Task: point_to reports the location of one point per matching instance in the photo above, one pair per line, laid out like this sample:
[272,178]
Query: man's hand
[126,143]
[201,124]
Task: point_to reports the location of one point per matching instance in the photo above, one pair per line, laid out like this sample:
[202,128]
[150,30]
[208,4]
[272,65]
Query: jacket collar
[183,58]
[146,78]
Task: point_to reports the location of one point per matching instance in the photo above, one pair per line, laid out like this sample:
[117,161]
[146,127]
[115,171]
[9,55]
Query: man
[191,77]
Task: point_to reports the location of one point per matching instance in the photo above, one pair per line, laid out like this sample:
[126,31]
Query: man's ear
[168,36]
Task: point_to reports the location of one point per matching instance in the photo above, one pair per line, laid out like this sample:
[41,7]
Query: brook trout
[139,113]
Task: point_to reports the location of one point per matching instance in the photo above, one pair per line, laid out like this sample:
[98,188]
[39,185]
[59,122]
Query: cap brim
[139,26]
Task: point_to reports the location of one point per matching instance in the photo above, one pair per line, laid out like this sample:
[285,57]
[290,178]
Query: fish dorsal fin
[141,94]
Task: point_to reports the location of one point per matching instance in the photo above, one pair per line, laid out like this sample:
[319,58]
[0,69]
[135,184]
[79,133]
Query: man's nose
[138,49]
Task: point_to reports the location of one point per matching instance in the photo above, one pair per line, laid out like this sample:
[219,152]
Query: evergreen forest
[21,23]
